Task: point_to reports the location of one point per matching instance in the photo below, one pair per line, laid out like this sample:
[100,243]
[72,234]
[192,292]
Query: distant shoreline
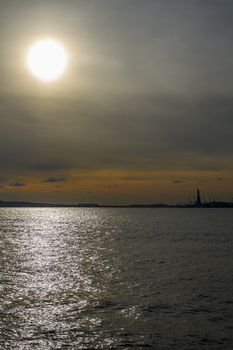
[22,204]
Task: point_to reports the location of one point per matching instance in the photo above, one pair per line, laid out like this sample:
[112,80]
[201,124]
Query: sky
[144,113]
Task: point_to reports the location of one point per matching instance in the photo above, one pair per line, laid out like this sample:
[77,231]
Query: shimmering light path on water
[116,279]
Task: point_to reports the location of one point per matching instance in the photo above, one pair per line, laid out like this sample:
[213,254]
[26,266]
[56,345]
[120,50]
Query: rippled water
[116,278]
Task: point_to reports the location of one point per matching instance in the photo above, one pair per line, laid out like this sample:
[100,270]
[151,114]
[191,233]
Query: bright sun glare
[47,60]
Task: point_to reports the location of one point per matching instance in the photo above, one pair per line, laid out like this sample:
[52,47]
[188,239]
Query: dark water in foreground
[116,279]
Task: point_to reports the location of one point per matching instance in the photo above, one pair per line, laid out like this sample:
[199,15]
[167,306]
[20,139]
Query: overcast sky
[144,112]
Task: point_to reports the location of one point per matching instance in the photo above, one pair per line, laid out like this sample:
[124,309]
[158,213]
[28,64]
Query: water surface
[116,278]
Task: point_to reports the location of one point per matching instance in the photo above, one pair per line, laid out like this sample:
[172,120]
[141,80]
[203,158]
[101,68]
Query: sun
[47,60]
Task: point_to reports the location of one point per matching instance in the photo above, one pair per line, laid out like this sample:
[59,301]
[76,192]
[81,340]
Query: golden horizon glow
[47,60]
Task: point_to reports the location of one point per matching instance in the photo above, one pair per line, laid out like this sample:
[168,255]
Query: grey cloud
[55,179]
[145,131]
[219,179]
[165,103]
[17,184]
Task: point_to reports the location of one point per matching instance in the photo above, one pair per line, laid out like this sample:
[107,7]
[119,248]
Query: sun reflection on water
[54,264]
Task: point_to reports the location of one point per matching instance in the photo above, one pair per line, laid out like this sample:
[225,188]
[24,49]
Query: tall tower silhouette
[198,199]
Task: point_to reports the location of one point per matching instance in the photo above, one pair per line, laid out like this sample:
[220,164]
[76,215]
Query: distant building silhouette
[198,199]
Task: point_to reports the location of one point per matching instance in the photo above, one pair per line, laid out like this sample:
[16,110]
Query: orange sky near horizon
[119,187]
